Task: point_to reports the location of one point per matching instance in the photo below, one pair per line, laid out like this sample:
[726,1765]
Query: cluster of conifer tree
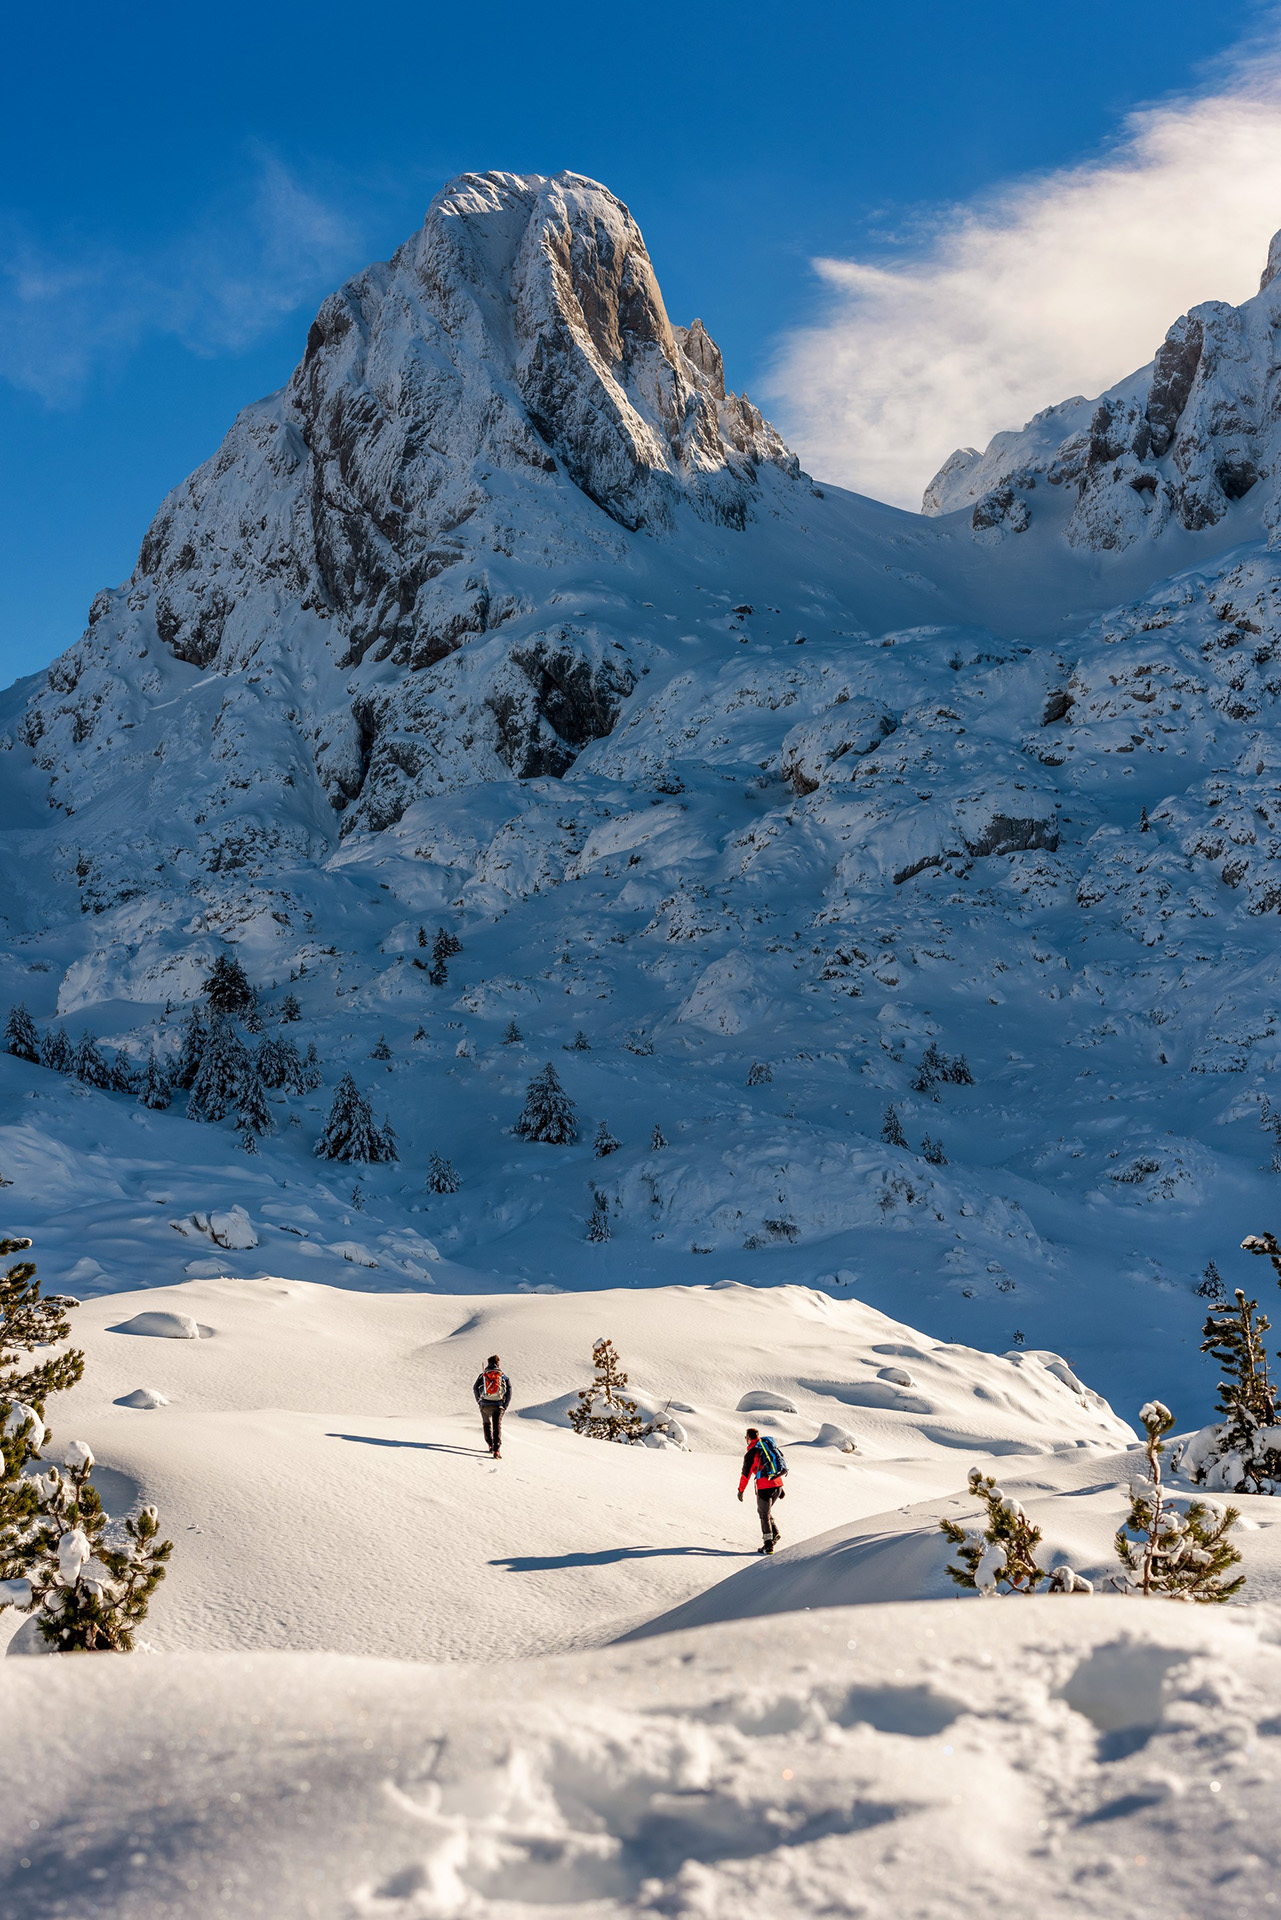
[87,1585]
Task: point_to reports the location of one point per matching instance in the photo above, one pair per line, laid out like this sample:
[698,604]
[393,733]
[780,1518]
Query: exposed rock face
[363,562]
[1178,442]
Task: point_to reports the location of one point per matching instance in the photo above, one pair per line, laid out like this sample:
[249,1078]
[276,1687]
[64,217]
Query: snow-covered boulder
[145,1399]
[231,1228]
[159,1324]
[761,1400]
[831,1435]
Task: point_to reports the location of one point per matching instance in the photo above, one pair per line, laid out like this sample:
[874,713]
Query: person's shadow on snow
[421,1446]
[548,1563]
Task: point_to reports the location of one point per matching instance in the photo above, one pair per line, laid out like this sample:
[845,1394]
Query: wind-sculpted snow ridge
[1180,442]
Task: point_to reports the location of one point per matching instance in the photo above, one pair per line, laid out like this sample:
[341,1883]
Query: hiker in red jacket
[764,1459]
[493,1391]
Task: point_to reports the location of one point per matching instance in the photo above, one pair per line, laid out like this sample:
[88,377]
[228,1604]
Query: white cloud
[261,253]
[1058,286]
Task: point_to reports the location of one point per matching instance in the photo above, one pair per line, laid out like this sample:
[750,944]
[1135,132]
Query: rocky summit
[894,895]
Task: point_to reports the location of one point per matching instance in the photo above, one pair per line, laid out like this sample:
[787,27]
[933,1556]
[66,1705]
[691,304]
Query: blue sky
[181,188]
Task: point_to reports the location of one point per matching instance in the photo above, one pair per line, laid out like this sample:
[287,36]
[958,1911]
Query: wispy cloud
[1059,285]
[261,253]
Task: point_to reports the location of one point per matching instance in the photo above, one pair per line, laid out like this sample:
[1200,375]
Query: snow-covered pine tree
[892,1128]
[154,1089]
[512,1034]
[1003,1552]
[224,1072]
[254,1117]
[422,936]
[350,1132]
[933,1068]
[309,1076]
[28,1321]
[1183,1556]
[579,1044]
[442,1176]
[271,1060]
[382,1051]
[657,1139]
[1210,1286]
[598,1218]
[760,1073]
[617,1418]
[956,1071]
[549,1114]
[91,1067]
[443,949]
[20,1036]
[227,987]
[89,1596]
[57,1052]
[195,1038]
[604,1143]
[1265,1247]
[1240,1453]
[932,1150]
[289,1009]
[121,1071]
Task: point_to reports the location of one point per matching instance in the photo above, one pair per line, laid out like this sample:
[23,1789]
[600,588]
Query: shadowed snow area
[895,897]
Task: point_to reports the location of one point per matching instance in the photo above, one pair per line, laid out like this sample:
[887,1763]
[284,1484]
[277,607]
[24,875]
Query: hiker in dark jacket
[764,1463]
[493,1391]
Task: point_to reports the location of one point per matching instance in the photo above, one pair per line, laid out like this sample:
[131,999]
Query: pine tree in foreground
[604,1143]
[89,1596]
[892,1129]
[20,1036]
[1001,1555]
[227,987]
[28,1322]
[154,1089]
[350,1132]
[442,1176]
[598,1218]
[549,1114]
[57,1052]
[617,1418]
[1182,1556]
[1238,1454]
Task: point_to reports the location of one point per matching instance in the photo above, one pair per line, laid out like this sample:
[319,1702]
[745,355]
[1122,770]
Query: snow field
[887,1763]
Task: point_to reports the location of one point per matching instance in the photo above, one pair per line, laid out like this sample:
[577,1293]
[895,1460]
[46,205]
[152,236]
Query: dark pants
[491,1413]
[765,1498]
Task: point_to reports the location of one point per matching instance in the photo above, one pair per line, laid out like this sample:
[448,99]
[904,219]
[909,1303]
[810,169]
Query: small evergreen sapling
[1182,1556]
[309,1075]
[89,1596]
[1210,1286]
[892,1129]
[549,1114]
[604,1143]
[511,1034]
[20,1036]
[760,1073]
[350,1132]
[1002,1555]
[442,1176]
[1243,1452]
[932,1150]
[657,1139]
[579,1044]
[598,1218]
[617,1418]
[289,1009]
[382,1051]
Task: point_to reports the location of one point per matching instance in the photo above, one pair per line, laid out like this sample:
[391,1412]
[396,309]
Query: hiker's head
[492,1360]
[753,1433]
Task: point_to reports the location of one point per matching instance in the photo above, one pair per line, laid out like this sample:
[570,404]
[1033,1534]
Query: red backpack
[491,1384]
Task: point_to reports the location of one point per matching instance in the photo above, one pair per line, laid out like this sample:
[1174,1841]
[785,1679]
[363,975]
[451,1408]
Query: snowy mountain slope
[898,1760]
[1009,802]
[1177,444]
[568,1542]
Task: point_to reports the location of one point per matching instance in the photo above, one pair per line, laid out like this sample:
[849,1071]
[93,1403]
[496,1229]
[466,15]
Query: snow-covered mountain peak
[1192,440]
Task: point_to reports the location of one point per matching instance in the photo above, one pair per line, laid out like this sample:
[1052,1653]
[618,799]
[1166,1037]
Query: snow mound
[160,1324]
[761,1400]
[831,1435]
[144,1398]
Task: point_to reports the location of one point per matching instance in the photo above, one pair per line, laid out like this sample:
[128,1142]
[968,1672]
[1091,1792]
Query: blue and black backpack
[771,1457]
